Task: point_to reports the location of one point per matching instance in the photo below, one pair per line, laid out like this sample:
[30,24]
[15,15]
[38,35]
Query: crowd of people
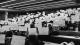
[41,21]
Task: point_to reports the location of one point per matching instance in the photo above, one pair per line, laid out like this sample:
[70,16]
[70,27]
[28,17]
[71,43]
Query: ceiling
[27,5]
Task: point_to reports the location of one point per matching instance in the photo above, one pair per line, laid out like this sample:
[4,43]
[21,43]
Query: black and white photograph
[39,22]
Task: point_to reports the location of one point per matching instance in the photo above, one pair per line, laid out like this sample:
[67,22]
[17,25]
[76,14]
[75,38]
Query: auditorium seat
[18,40]
[32,31]
[44,31]
[2,38]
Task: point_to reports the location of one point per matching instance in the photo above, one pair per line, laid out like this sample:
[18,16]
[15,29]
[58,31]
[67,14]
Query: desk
[64,38]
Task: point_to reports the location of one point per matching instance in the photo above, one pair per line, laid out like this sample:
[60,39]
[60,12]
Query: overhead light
[17,3]
[7,1]
[10,7]
[26,4]
[46,4]
[48,7]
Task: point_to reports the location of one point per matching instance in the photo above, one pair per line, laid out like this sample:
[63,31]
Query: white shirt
[5,28]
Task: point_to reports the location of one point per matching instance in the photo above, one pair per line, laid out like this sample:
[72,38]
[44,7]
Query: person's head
[6,23]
